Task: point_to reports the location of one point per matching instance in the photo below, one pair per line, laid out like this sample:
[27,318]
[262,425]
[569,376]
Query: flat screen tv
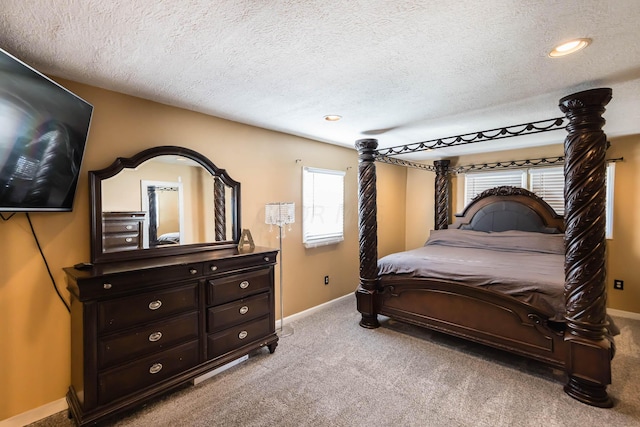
[43,133]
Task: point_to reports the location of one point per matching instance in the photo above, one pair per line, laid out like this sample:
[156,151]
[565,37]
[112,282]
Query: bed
[551,307]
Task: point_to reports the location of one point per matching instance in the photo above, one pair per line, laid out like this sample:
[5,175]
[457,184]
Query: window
[548,183]
[322,207]
[476,183]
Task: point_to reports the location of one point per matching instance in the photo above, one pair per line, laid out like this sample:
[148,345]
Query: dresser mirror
[162,201]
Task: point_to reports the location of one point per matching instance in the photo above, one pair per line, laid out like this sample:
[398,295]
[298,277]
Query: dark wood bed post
[589,352]
[368,232]
[441,220]
[219,209]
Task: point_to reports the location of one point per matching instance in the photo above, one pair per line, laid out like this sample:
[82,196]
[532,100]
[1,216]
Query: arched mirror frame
[98,255]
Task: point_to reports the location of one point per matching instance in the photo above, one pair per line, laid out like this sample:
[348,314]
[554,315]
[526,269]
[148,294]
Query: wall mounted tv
[43,132]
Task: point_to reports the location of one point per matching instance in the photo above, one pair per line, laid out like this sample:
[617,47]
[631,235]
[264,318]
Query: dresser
[142,327]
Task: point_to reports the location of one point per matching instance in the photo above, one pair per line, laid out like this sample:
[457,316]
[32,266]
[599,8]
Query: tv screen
[43,132]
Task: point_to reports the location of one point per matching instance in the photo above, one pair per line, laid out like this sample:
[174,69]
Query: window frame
[311,236]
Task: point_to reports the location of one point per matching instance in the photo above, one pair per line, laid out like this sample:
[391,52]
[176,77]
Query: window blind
[476,183]
[548,183]
[322,206]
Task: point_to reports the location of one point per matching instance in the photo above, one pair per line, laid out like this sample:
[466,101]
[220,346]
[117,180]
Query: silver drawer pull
[213,268]
[155,336]
[155,368]
[266,258]
[242,335]
[193,271]
[244,309]
[129,239]
[244,284]
[129,227]
[154,305]
[107,285]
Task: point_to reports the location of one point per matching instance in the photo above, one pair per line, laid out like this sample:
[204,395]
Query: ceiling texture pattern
[399,71]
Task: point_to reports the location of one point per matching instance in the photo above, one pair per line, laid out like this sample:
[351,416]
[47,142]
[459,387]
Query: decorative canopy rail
[406,163]
[470,138]
[516,164]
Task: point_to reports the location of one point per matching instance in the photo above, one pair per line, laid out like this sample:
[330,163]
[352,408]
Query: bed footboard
[475,314]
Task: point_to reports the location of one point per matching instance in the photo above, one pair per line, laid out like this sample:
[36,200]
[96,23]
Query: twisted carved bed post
[441,220]
[219,209]
[589,351]
[368,232]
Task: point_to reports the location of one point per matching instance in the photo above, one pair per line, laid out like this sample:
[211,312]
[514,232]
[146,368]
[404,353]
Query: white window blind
[477,182]
[611,172]
[548,183]
[322,206]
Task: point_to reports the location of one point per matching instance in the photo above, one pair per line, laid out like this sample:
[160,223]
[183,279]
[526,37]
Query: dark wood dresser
[142,327]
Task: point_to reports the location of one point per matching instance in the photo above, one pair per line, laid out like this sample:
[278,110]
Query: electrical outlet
[326,280]
[618,284]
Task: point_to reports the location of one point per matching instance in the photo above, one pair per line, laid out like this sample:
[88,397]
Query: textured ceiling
[399,71]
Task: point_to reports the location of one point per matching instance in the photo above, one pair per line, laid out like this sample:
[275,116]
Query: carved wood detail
[585,203]
[441,219]
[219,208]
[585,275]
[367,213]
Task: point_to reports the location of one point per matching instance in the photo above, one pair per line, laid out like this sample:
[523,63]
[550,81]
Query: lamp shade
[280,213]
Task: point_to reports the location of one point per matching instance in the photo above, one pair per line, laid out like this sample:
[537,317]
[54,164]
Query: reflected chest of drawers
[143,327]
[122,230]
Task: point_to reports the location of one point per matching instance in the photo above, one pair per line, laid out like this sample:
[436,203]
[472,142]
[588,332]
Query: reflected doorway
[164,223]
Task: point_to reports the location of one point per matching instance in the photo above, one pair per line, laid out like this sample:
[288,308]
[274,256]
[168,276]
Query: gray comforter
[527,266]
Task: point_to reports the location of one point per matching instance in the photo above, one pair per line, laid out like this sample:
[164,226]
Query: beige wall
[34,325]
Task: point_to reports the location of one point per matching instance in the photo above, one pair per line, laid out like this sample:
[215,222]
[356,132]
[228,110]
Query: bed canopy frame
[586,350]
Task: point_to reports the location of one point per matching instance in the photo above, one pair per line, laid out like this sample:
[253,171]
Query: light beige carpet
[332,372]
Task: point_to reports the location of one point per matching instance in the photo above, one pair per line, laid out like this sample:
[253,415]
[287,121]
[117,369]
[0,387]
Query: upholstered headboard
[509,208]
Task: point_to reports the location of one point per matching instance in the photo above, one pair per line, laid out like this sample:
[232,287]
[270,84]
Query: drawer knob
[129,239]
[266,258]
[193,271]
[242,335]
[154,305]
[155,336]
[244,309]
[213,268]
[129,227]
[155,368]
[244,284]
[107,285]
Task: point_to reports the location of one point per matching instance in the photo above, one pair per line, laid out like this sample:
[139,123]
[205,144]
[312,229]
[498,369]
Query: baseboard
[622,313]
[312,310]
[54,407]
[36,414]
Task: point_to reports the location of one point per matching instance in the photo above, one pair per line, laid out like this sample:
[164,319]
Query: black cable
[47,265]
[7,219]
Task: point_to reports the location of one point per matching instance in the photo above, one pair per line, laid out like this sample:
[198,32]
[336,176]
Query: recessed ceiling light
[332,117]
[569,47]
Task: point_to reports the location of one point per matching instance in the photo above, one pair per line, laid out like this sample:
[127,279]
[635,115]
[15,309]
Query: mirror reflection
[165,201]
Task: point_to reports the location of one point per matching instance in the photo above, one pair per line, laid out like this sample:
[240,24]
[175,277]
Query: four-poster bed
[576,337]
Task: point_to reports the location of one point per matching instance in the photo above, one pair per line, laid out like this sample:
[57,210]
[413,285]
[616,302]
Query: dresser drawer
[144,372]
[121,241]
[146,307]
[120,347]
[237,336]
[121,226]
[223,316]
[223,265]
[229,288]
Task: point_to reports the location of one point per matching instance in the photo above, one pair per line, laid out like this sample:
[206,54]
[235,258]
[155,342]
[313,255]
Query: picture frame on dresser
[148,318]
